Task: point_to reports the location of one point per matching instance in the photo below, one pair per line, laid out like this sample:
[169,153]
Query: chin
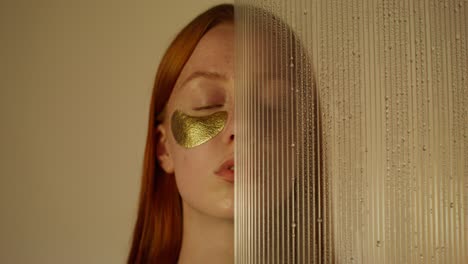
[227,215]
[226,209]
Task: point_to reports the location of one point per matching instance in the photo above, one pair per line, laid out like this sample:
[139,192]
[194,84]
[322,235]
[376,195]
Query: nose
[229,130]
[228,136]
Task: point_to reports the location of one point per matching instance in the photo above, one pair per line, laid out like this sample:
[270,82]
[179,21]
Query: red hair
[157,235]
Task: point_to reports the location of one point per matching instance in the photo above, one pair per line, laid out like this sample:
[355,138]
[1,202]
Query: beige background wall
[75,85]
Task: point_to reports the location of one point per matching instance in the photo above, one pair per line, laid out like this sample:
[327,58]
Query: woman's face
[197,135]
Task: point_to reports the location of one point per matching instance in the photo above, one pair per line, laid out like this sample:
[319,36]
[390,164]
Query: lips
[226,170]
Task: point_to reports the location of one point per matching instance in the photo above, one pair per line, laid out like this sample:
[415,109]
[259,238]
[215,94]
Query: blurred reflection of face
[199,126]
[279,86]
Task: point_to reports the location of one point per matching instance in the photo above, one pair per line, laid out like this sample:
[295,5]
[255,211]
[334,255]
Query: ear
[162,150]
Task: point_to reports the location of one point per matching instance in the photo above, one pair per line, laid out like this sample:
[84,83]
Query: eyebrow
[204,74]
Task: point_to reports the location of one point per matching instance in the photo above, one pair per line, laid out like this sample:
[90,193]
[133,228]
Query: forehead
[213,53]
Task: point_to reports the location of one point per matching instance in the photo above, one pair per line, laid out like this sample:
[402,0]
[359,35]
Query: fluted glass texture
[351,133]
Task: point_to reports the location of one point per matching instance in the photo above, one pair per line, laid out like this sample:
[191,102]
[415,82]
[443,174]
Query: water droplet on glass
[378,243]
[293,225]
[319,220]
[291,65]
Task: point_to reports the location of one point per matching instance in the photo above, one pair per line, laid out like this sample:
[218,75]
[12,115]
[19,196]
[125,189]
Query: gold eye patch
[192,131]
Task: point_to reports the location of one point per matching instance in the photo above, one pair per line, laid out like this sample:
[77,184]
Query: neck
[206,239]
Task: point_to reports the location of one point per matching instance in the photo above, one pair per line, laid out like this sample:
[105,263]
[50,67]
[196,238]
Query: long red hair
[157,235]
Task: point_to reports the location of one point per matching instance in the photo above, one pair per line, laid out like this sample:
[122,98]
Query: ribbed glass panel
[351,133]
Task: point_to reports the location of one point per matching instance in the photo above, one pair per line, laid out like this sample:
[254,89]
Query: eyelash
[208,107]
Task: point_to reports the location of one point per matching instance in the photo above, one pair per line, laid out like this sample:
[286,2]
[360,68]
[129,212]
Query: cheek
[191,166]
[197,182]
[194,171]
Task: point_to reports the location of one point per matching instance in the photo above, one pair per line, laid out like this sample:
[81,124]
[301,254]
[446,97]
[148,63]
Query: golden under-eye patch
[192,131]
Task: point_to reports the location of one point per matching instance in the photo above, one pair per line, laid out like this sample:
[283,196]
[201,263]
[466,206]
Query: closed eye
[208,107]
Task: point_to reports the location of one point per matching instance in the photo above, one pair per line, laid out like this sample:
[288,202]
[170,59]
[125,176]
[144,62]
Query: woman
[186,203]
